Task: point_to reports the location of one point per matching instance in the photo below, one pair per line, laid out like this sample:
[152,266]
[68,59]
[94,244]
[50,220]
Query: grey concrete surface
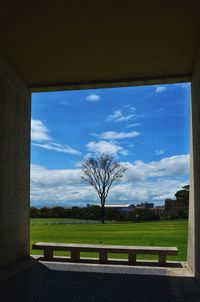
[194,209]
[58,282]
[140,269]
[14,166]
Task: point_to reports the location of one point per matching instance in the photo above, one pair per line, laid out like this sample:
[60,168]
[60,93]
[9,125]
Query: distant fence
[58,221]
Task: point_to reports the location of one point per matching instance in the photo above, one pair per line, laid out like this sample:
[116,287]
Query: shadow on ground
[112,261]
[39,283]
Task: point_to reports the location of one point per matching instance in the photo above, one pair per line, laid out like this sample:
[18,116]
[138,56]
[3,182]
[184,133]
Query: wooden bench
[103,251]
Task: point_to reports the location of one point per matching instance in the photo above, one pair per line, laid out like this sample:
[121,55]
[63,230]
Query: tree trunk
[102,213]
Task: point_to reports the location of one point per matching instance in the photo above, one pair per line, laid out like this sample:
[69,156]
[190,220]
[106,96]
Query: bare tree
[102,172]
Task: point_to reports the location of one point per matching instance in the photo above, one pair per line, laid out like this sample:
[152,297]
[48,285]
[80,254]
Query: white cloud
[174,166]
[130,107]
[40,138]
[113,135]
[105,147]
[160,89]
[39,131]
[159,152]
[183,85]
[93,98]
[78,164]
[133,125]
[47,177]
[151,191]
[117,116]
[58,186]
[154,181]
[57,147]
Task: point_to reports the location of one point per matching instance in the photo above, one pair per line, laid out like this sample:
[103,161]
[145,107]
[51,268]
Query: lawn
[158,233]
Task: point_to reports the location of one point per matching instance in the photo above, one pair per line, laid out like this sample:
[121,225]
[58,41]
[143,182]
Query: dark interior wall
[14,166]
[83,41]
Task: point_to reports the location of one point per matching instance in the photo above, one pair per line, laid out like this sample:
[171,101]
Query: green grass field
[158,233]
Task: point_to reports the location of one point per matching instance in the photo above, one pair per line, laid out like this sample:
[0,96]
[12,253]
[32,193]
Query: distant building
[160,210]
[145,205]
[175,207]
[123,208]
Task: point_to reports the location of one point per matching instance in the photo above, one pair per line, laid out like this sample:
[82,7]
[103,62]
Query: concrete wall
[194,211]
[14,166]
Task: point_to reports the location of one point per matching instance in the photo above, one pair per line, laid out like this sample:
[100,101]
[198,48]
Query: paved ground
[60,282]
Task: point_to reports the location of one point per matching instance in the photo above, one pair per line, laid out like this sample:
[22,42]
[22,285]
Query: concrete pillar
[14,166]
[194,209]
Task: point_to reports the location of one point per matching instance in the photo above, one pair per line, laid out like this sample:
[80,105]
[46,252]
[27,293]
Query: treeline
[93,213]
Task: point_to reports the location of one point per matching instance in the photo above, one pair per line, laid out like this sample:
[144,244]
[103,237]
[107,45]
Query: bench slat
[75,256]
[48,254]
[107,248]
[131,258]
[103,251]
[103,257]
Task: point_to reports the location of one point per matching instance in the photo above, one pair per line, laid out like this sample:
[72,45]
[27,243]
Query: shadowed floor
[51,282]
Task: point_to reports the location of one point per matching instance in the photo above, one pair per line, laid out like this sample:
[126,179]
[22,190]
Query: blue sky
[147,128]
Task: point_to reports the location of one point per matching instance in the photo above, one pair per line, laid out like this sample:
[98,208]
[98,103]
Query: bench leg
[103,257]
[162,259]
[48,254]
[75,256]
[131,258]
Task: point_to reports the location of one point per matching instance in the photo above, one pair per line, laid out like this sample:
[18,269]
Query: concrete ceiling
[55,43]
